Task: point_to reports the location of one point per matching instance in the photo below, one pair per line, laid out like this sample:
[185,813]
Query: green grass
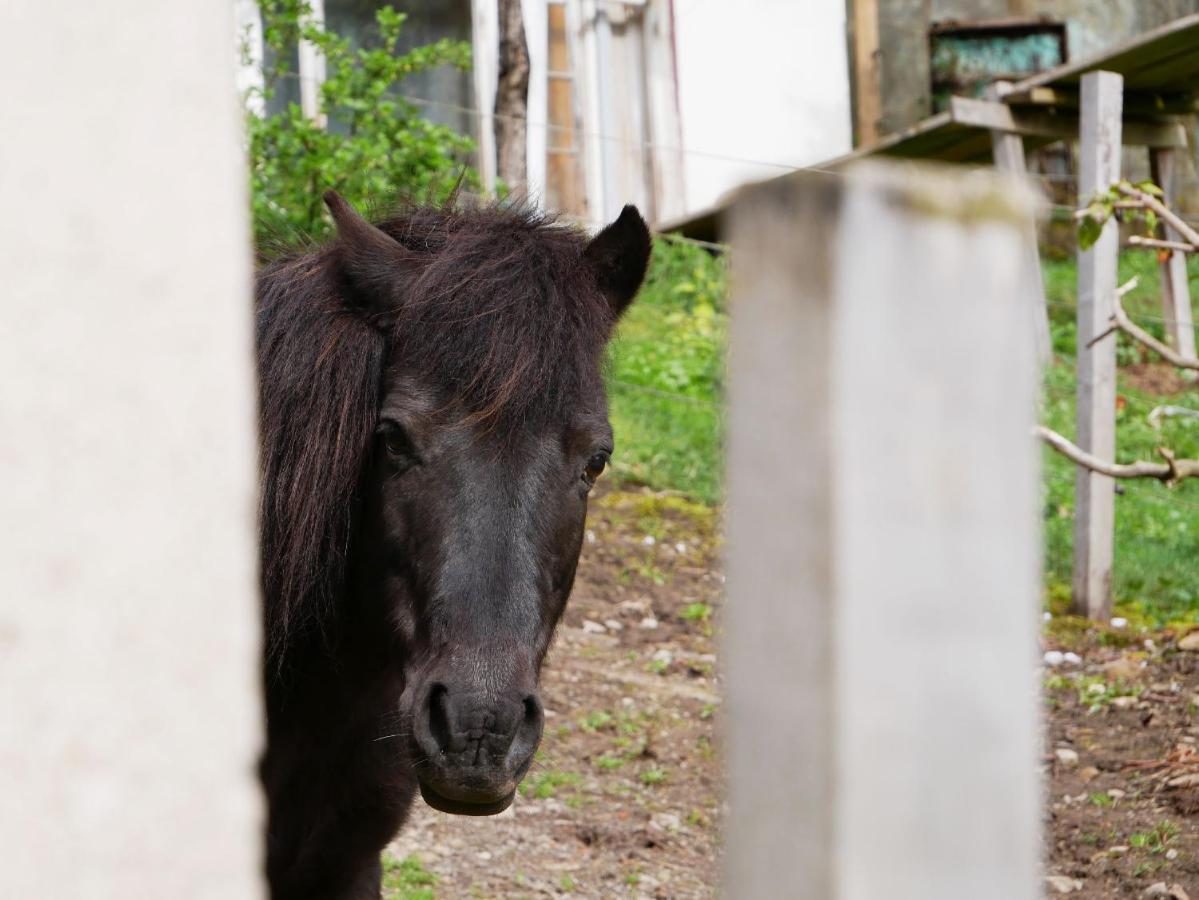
[407,879]
[545,784]
[1157,528]
[666,375]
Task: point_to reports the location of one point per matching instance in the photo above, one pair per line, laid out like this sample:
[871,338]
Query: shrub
[375,146]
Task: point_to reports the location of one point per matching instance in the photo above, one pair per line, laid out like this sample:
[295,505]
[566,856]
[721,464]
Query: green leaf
[1089,231]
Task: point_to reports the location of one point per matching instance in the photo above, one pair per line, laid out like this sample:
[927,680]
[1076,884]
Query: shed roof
[1161,78]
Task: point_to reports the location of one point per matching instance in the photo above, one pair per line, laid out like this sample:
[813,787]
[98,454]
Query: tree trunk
[512,98]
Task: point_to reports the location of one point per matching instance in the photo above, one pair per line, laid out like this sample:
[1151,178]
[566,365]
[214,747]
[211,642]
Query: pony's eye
[595,467]
[396,442]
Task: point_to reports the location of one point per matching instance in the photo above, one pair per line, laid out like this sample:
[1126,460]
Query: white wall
[763,80]
[129,707]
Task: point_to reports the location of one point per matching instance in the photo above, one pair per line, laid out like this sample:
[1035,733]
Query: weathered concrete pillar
[129,706]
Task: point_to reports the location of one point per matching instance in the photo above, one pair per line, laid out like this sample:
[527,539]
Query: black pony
[432,419]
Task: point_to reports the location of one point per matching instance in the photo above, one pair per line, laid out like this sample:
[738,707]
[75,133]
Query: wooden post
[864,50]
[1094,494]
[1007,151]
[485,48]
[312,67]
[129,604]
[512,98]
[883,543]
[1176,292]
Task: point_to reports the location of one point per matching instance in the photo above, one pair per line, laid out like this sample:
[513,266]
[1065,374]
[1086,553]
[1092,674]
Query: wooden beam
[1143,103]
[1007,151]
[1094,495]
[1060,125]
[870,406]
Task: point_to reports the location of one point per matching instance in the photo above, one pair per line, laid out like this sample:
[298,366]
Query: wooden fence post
[129,604]
[1007,152]
[1094,494]
[883,541]
[1176,292]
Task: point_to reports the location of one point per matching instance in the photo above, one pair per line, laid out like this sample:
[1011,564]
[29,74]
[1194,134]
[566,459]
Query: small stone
[1116,794]
[665,821]
[1047,617]
[590,627]
[1124,702]
[648,540]
[680,548]
[1088,773]
[590,536]
[633,607]
[1072,659]
[484,855]
[649,623]
[1053,658]
[1122,669]
[1119,622]
[1184,781]
[1066,757]
[1171,854]
[613,625]
[1169,891]
[663,657]
[1118,850]
[1189,642]
[1060,884]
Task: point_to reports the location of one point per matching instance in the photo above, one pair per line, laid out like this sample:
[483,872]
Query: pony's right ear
[373,262]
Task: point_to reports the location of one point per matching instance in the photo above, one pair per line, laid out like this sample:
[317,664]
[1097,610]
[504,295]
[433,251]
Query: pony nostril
[528,734]
[533,713]
[439,717]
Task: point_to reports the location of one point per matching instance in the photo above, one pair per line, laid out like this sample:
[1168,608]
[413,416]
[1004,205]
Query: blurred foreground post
[1100,127]
[129,635]
[883,543]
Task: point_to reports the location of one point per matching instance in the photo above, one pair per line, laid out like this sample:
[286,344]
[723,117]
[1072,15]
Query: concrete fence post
[129,635]
[883,541]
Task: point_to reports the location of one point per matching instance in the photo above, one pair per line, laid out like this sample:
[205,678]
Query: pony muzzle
[473,746]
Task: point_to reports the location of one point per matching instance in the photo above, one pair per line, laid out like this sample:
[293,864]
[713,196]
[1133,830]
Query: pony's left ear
[618,256]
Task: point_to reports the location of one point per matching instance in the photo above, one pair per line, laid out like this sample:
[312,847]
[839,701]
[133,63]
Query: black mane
[502,312]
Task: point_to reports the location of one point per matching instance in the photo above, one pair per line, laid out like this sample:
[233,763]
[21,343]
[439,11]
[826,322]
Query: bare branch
[1167,215]
[1121,321]
[1137,241]
[1159,412]
[1170,472]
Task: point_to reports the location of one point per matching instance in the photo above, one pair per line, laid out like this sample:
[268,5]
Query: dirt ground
[626,797]
[1122,763]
